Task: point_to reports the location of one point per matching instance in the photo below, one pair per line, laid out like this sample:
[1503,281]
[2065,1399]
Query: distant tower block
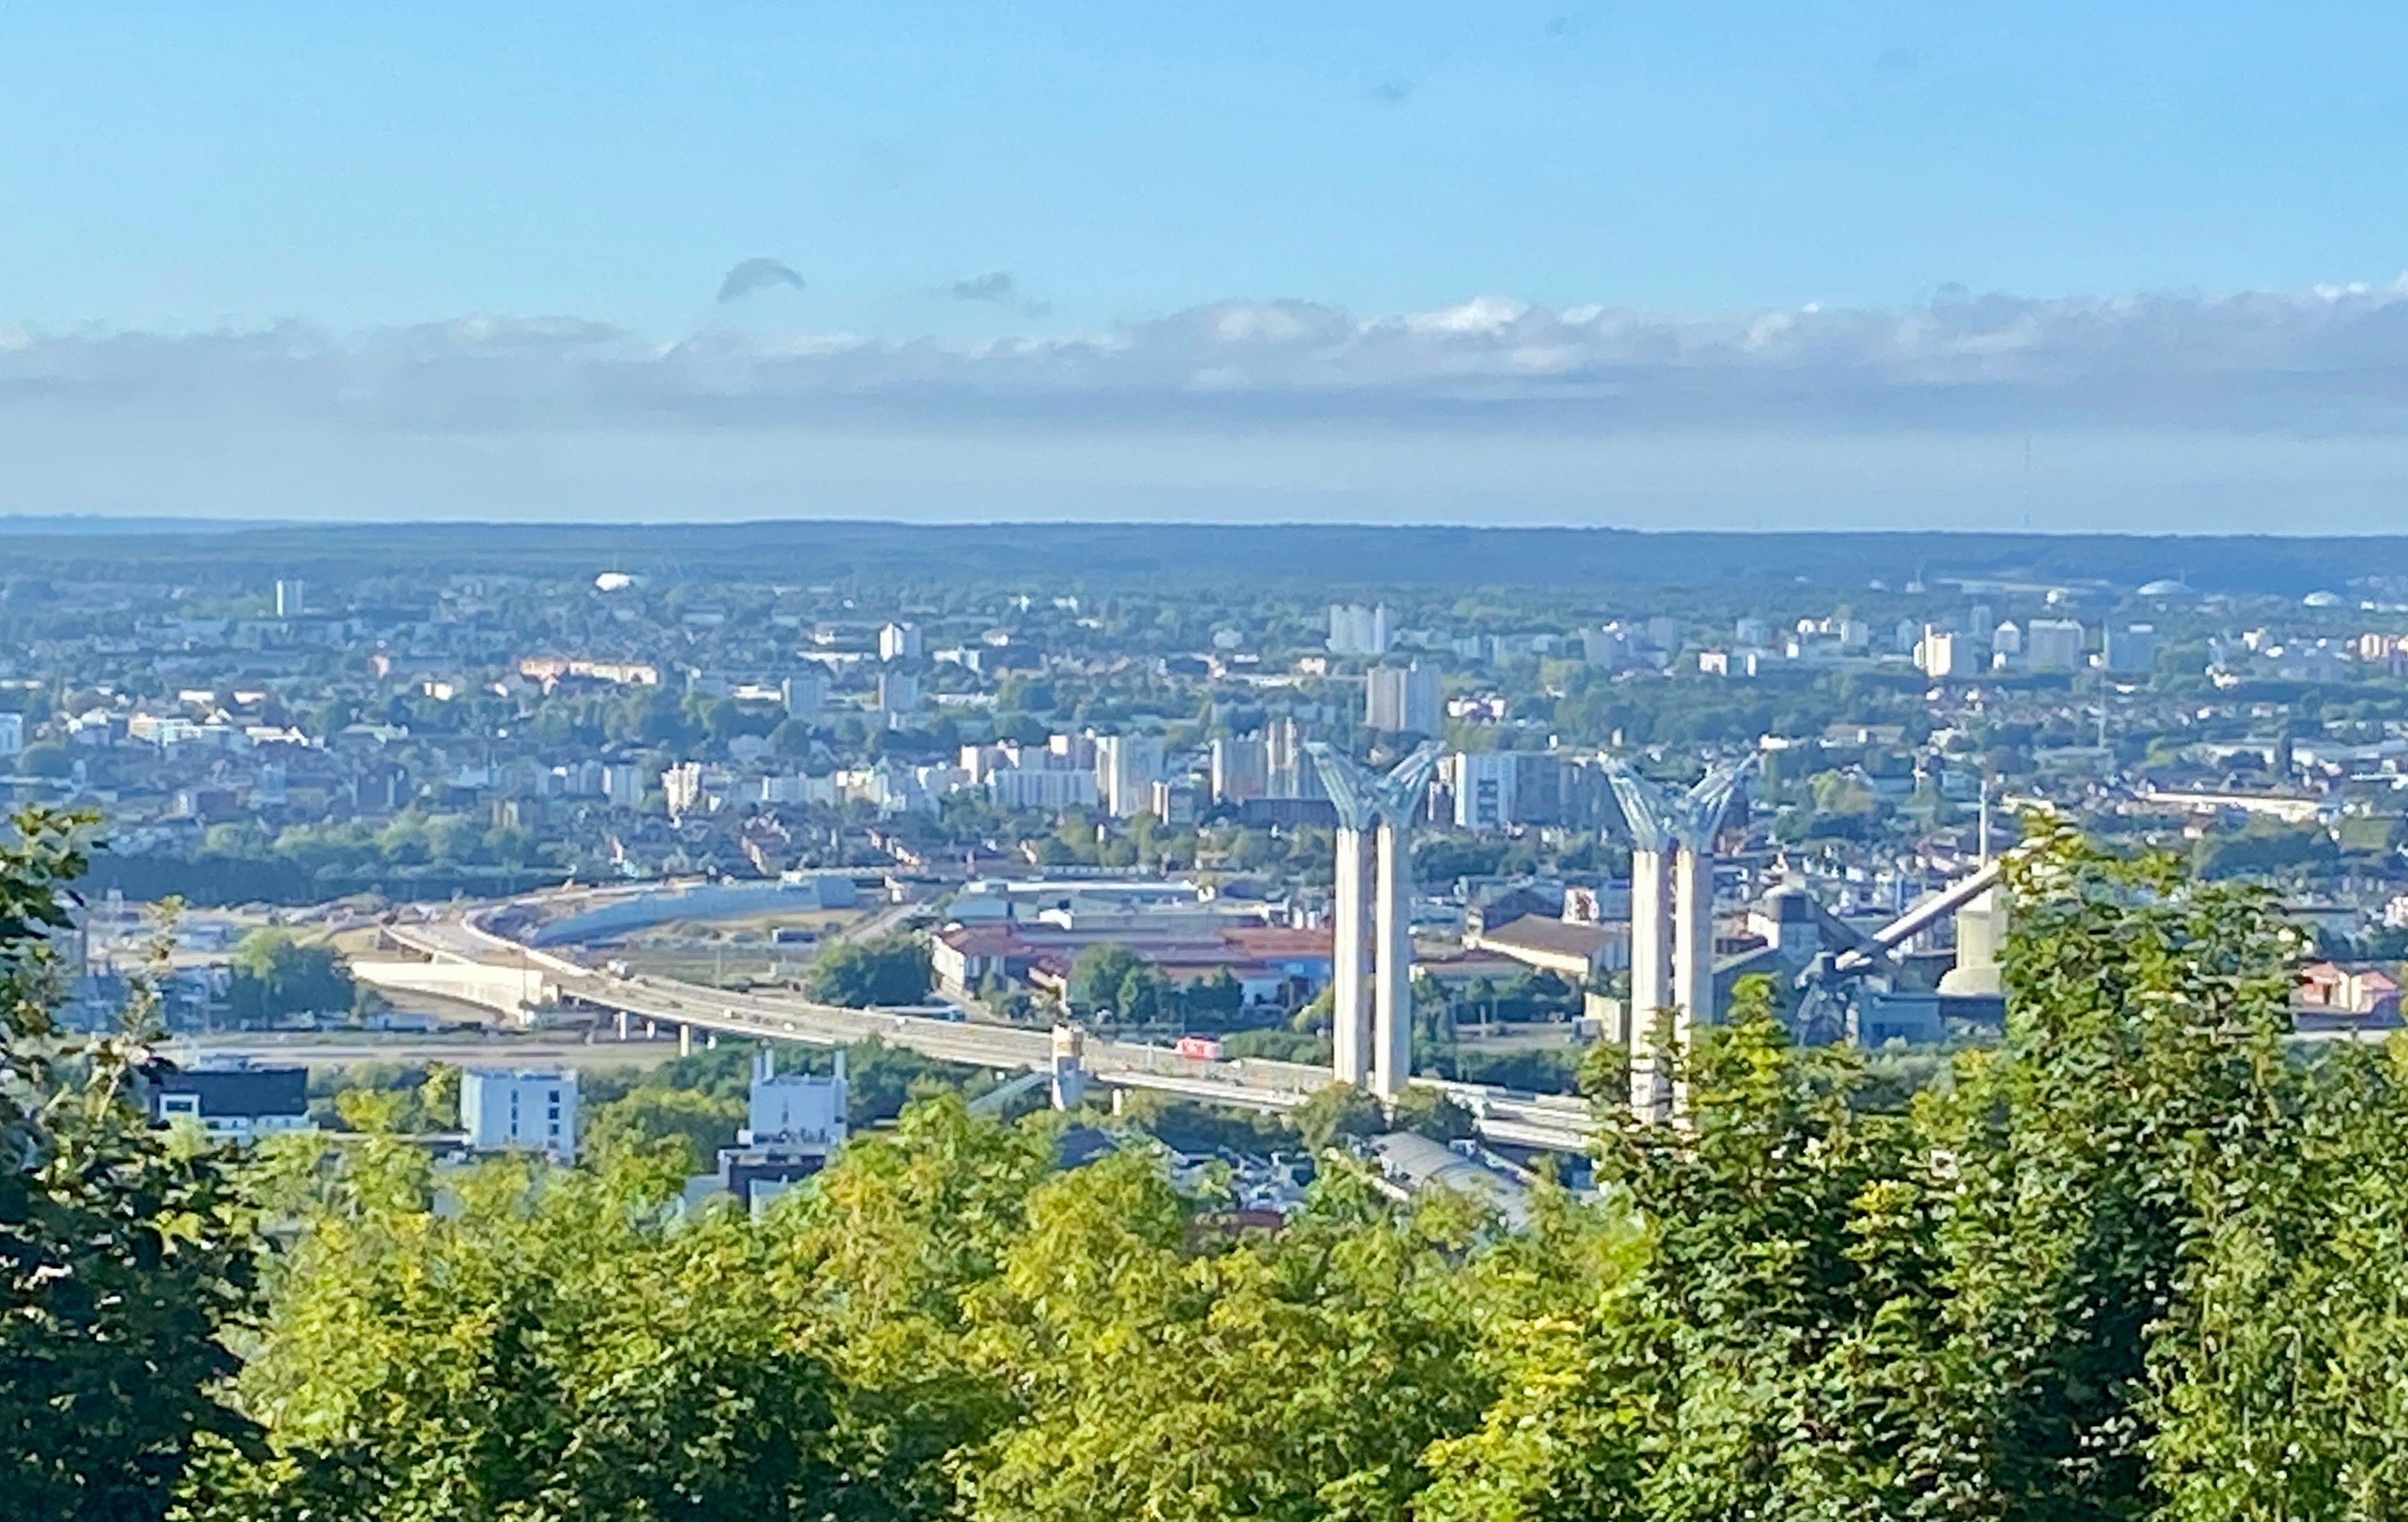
[1672,925]
[1372,1037]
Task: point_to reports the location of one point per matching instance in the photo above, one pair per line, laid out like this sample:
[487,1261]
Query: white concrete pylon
[1350,1013]
[1693,957]
[1651,980]
[1392,1020]
[1371,1015]
[1672,925]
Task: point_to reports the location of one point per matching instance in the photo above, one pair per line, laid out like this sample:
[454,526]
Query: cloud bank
[1510,409]
[2328,361]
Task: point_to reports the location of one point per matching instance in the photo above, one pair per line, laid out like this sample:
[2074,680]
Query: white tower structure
[1672,925]
[1371,1015]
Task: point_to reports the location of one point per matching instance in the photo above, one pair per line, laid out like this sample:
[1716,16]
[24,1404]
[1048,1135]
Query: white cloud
[1489,410]
[2332,360]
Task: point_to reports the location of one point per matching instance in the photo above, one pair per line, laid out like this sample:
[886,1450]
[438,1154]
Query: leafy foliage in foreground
[2136,1262]
[122,1251]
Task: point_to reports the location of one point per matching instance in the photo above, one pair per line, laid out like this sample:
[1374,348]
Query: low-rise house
[2363,994]
[233,1103]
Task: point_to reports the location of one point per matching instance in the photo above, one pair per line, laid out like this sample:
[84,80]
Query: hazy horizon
[1843,266]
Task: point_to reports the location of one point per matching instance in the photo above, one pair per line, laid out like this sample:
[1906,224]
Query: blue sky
[2150,198]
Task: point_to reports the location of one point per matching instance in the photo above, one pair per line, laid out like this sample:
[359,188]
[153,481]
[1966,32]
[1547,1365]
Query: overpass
[488,970]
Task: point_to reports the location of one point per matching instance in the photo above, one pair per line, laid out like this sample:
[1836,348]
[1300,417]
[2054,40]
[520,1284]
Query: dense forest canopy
[2140,1260]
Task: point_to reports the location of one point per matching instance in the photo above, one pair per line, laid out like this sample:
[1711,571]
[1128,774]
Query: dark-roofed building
[234,1104]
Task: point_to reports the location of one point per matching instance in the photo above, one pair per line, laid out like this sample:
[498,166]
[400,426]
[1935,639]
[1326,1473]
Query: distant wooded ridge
[1164,555]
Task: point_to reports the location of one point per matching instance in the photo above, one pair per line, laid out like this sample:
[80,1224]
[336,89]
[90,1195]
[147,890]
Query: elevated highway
[514,979]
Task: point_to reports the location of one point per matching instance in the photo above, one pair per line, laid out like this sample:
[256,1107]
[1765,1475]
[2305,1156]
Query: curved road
[1504,1115]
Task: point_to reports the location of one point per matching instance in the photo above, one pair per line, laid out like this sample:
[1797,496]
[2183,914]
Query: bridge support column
[1350,1013]
[1650,983]
[685,1041]
[1392,986]
[623,1025]
[1693,957]
[1069,1071]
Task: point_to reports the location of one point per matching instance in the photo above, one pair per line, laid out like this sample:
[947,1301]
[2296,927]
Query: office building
[520,1111]
[794,1123]
[1401,699]
[12,734]
[288,598]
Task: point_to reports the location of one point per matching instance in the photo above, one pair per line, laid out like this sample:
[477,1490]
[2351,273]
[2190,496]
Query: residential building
[1402,699]
[794,1111]
[1482,784]
[520,1109]
[804,693]
[681,788]
[1357,630]
[2131,651]
[2053,645]
[1127,768]
[1943,653]
[233,1103]
[900,642]
[1291,773]
[1041,788]
[2359,992]
[1242,770]
[1174,802]
[623,784]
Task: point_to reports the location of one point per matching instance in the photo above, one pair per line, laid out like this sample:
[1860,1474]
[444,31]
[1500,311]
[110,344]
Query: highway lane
[1529,1120]
[1504,1115]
